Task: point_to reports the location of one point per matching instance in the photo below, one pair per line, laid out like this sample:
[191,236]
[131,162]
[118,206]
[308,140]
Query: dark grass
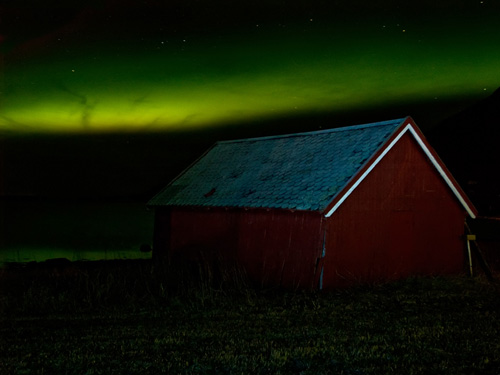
[131,317]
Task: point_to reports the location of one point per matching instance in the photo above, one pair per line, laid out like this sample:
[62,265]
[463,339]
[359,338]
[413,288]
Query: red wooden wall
[276,247]
[401,220]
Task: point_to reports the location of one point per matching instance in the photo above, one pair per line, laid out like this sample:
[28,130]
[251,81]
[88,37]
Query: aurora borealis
[194,64]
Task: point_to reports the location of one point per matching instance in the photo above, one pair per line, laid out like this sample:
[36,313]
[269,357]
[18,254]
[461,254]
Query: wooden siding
[281,247]
[401,220]
[276,247]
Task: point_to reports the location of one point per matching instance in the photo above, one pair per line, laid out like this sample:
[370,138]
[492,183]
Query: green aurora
[175,81]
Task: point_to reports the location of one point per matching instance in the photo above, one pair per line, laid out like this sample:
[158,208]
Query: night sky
[102,103]
[118,66]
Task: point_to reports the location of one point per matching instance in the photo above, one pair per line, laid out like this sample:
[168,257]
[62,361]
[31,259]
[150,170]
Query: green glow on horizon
[229,81]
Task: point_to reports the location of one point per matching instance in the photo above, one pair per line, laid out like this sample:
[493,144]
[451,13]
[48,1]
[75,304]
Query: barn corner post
[323,254]
[319,268]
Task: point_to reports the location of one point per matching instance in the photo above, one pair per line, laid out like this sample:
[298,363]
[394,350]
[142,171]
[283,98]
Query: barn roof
[304,171]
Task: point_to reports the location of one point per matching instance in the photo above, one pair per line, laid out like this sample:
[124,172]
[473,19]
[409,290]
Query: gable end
[411,127]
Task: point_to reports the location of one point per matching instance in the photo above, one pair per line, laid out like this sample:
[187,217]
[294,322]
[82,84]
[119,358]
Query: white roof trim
[381,156]
[441,171]
[368,170]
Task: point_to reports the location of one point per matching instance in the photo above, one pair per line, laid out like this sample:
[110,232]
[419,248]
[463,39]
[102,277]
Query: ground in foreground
[421,325]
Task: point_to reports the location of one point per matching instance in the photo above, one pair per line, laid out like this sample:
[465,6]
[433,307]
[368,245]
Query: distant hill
[469,144]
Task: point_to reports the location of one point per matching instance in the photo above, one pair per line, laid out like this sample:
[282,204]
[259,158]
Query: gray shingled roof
[301,171]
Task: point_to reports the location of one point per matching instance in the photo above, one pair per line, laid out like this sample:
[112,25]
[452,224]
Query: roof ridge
[313,132]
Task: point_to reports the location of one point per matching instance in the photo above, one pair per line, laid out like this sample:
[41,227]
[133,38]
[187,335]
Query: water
[37,230]
[25,254]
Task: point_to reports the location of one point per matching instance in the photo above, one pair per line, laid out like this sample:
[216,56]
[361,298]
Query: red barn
[320,209]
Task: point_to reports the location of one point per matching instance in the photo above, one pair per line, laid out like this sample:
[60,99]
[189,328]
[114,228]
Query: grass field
[132,317]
